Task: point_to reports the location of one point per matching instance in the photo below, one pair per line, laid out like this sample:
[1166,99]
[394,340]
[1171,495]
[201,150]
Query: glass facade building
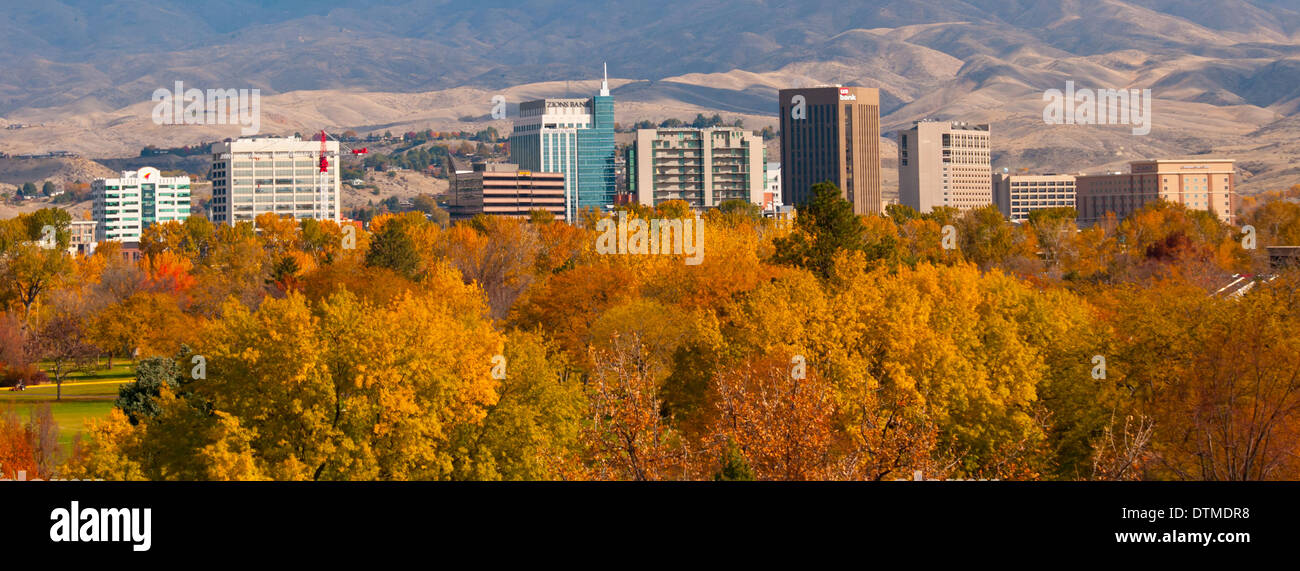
[574,137]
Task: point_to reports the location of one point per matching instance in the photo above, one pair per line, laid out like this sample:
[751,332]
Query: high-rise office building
[123,207]
[831,133]
[1016,195]
[574,137]
[944,164]
[704,167]
[1198,184]
[271,174]
[502,189]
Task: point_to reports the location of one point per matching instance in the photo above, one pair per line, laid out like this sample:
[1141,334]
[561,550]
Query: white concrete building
[1016,195]
[772,195]
[272,174]
[123,207]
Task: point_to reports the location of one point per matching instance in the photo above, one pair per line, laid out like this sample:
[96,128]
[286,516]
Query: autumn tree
[778,416]
[29,270]
[63,342]
[17,452]
[498,254]
[532,431]
[1233,411]
[626,436]
[31,447]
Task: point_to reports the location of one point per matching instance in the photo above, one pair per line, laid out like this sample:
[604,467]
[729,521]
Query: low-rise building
[82,237]
[1016,195]
[772,193]
[503,189]
[1198,184]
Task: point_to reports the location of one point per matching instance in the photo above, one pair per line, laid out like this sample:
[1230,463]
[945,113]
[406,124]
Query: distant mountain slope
[108,54]
[1225,74]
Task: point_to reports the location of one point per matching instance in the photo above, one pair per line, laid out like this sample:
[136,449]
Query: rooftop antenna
[604,83]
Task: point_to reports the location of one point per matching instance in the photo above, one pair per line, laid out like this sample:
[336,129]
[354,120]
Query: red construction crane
[324,159]
[324,153]
[323,181]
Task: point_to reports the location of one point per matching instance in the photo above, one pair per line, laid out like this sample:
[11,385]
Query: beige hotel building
[251,176]
[1198,184]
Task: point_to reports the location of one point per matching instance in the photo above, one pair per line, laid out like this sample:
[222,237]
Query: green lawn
[71,416]
[85,397]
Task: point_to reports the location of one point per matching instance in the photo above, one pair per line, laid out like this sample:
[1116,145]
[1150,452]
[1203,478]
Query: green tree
[824,226]
[734,466]
[56,218]
[539,216]
[901,214]
[743,209]
[986,237]
[138,399]
[394,249]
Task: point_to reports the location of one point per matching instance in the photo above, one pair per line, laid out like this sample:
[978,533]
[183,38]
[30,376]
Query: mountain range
[1224,74]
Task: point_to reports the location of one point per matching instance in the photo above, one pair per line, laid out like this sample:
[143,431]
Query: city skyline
[320,278]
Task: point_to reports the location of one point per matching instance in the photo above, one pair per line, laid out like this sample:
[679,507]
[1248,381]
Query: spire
[604,83]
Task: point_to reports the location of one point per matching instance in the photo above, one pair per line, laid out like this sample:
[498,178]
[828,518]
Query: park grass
[86,396]
[71,416]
